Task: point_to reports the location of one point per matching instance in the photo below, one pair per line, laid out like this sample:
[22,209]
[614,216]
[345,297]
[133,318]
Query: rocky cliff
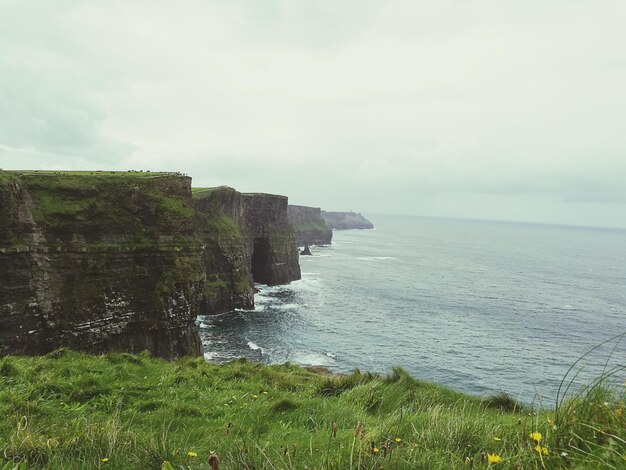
[98,262]
[309,225]
[346,220]
[227,255]
[124,261]
[248,240]
[274,251]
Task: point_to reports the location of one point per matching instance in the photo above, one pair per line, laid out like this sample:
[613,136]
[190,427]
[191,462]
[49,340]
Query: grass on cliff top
[69,410]
[135,209]
[138,174]
[201,193]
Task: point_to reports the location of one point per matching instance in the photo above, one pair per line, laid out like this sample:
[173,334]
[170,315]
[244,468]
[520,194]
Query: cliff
[274,251]
[346,220]
[248,239]
[227,255]
[100,261]
[309,226]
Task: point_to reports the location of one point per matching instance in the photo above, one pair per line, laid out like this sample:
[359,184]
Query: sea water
[482,307]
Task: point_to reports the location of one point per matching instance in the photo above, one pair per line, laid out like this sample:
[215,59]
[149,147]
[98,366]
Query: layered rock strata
[248,240]
[126,261]
[98,262]
[271,237]
[309,225]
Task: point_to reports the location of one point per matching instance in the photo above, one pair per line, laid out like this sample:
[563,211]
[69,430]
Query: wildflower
[254,397]
[493,459]
[535,436]
[264,392]
[497,438]
[105,460]
[541,450]
[398,440]
[191,453]
[376,450]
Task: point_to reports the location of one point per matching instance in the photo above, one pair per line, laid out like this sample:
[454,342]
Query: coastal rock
[346,220]
[248,240]
[106,261]
[97,263]
[309,225]
[306,251]
[274,251]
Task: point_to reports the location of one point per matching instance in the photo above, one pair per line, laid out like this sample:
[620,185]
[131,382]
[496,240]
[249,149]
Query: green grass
[200,193]
[70,410]
[98,173]
[130,209]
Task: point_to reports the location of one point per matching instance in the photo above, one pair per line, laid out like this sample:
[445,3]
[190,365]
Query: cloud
[391,106]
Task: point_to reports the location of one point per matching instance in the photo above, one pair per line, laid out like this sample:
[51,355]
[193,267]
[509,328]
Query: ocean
[482,307]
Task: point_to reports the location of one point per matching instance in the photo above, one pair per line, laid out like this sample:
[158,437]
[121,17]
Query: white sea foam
[210,355]
[252,345]
[288,306]
[311,358]
[369,258]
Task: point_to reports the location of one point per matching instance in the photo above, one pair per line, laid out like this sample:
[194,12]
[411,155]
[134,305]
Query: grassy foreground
[70,410]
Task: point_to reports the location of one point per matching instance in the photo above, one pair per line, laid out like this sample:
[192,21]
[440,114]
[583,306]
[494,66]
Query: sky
[489,109]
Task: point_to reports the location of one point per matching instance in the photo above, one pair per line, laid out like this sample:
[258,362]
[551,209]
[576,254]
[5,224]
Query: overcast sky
[509,110]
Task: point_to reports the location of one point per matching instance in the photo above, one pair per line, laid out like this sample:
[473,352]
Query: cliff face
[98,262]
[227,255]
[251,241]
[346,220]
[309,225]
[126,261]
[274,251]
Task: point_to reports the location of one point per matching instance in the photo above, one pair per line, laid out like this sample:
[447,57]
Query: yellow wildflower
[497,438]
[398,440]
[191,453]
[375,450]
[541,450]
[493,459]
[254,397]
[264,392]
[535,436]
[105,460]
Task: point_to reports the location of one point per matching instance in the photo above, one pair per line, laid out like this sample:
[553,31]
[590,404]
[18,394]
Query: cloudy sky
[508,110]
